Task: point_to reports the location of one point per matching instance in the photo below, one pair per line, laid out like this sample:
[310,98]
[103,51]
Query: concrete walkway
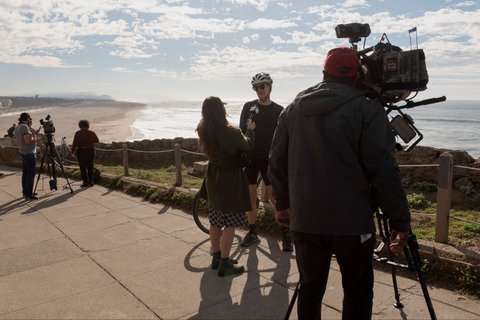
[101,254]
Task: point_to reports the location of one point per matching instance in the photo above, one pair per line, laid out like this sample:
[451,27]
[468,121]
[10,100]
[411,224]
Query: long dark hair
[214,117]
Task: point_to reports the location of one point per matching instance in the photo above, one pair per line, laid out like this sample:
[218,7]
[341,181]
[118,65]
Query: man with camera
[331,162]
[25,138]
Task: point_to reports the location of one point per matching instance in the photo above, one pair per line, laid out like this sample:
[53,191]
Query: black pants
[28,174]
[85,161]
[314,253]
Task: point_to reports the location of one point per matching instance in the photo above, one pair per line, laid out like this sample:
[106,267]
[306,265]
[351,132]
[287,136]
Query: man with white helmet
[264,112]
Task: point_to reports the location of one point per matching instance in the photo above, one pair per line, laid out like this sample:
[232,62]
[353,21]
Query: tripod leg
[397,303]
[417,263]
[292,302]
[40,171]
[385,235]
[57,160]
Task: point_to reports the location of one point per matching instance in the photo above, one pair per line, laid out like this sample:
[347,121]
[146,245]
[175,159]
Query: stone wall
[154,159]
[428,155]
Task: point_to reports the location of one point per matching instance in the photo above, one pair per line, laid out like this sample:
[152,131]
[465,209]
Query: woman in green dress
[225,182]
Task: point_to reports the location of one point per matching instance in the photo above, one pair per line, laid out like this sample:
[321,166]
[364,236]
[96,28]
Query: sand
[111,121]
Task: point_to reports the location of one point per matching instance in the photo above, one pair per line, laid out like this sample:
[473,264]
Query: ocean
[451,124]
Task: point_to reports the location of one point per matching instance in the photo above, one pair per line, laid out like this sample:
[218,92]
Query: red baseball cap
[341,62]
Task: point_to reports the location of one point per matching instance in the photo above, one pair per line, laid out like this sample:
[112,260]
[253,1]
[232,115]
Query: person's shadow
[213,289]
[266,290]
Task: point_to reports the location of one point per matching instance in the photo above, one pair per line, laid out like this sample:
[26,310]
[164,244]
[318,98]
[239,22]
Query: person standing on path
[84,147]
[264,112]
[331,162]
[26,140]
[225,185]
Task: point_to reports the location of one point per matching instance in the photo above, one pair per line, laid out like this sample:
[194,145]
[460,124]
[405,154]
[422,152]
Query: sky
[158,50]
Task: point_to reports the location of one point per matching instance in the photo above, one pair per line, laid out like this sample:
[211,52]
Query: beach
[111,120]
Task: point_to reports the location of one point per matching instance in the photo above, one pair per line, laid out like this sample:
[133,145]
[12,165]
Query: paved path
[101,254]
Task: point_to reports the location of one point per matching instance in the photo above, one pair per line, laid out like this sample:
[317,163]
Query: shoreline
[111,120]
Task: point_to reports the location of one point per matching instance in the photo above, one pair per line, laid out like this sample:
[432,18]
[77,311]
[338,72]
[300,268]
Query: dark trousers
[85,161]
[28,173]
[314,253]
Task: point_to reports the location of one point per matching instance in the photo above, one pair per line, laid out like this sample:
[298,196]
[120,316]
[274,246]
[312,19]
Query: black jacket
[332,159]
[265,118]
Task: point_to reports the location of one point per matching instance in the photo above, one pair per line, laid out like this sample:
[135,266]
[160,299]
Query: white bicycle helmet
[260,78]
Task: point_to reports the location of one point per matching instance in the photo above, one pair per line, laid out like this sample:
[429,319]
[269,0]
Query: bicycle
[199,210]
[65,152]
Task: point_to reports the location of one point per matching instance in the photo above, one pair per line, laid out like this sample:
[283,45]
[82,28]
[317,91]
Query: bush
[424,186]
[417,201]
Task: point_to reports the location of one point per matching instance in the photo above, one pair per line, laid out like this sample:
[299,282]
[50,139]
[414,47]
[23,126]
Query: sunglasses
[261,87]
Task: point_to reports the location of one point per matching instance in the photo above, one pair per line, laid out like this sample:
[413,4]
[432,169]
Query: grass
[166,175]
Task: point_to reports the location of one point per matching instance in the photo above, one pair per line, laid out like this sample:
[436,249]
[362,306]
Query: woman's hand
[250,125]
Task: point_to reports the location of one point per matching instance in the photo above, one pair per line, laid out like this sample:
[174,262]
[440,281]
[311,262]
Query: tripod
[50,158]
[414,263]
[412,257]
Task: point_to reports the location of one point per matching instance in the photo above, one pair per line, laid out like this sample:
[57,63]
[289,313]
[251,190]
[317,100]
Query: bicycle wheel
[199,213]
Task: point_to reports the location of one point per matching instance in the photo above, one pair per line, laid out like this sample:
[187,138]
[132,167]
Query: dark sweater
[265,123]
[83,139]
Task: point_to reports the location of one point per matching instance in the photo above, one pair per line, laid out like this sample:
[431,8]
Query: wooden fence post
[444,197]
[178,165]
[125,159]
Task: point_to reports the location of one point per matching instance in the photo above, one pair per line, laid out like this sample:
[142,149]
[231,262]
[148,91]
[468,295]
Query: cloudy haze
[147,50]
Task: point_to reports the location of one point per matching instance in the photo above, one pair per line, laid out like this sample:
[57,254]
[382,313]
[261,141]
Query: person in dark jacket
[331,161]
[225,181]
[83,147]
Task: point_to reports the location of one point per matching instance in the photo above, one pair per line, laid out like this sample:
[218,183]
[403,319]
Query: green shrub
[476,198]
[148,192]
[417,201]
[424,186]
[474,228]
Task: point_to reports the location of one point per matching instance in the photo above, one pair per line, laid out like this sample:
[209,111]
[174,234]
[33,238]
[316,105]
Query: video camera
[48,127]
[390,75]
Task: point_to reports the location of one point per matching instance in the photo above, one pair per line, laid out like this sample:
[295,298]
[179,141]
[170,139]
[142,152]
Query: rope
[107,149]
[190,176]
[468,168]
[159,151]
[463,219]
[418,165]
[191,152]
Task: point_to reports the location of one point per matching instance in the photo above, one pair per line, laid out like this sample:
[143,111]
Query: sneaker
[31,198]
[85,185]
[250,238]
[287,245]
[216,260]
[226,268]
